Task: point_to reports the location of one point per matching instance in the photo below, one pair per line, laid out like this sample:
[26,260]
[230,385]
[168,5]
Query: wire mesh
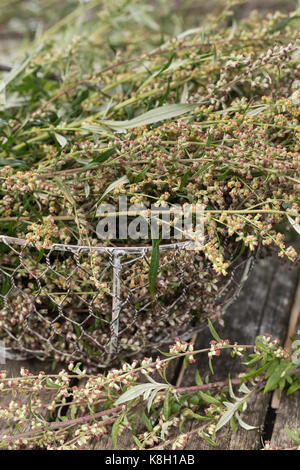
[93,304]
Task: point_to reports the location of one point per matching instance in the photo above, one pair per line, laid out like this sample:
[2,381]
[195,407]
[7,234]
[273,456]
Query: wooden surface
[264,306]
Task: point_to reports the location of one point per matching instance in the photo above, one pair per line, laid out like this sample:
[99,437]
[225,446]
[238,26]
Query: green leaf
[202,169]
[232,425]
[65,190]
[292,435]
[18,69]
[116,429]
[73,411]
[232,395]
[19,430]
[40,256]
[140,175]
[209,399]
[282,24]
[184,179]
[168,111]
[146,421]
[213,331]
[274,379]
[159,72]
[99,158]
[194,415]
[103,156]
[111,187]
[138,443]
[12,162]
[32,412]
[198,379]
[272,367]
[208,439]
[154,265]
[166,406]
[82,95]
[51,384]
[293,388]
[77,330]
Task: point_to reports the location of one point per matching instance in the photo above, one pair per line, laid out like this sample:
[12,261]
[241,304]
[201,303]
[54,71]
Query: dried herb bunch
[208,117]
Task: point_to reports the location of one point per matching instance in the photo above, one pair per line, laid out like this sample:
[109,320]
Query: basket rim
[116,250]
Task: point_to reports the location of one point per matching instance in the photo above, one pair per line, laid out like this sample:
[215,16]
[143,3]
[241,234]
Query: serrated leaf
[168,111]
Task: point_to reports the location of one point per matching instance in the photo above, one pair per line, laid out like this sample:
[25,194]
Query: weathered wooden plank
[263,307]
[241,439]
[288,414]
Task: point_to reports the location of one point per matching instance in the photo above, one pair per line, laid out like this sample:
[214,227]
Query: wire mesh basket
[92,304]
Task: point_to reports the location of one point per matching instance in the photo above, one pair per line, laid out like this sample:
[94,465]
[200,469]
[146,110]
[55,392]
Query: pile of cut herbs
[114,100]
